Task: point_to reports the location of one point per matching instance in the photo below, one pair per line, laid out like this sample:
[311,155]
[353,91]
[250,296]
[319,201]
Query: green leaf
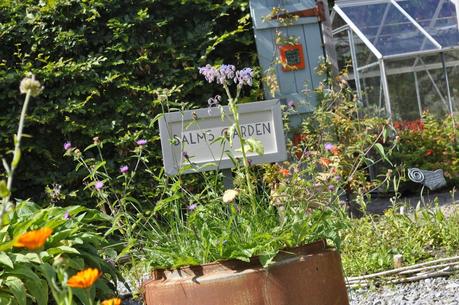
[381,152]
[62,249]
[16,158]
[185,261]
[255,146]
[39,290]
[4,192]
[82,295]
[162,203]
[5,299]
[6,260]
[230,132]
[17,289]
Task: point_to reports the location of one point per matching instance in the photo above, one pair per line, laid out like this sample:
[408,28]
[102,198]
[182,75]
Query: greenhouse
[402,55]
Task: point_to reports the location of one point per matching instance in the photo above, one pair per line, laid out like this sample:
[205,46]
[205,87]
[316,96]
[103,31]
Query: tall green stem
[17,142]
[16,156]
[234,110]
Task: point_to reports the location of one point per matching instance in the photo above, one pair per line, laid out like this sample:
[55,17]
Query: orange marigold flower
[325,161]
[85,278]
[33,239]
[284,172]
[112,301]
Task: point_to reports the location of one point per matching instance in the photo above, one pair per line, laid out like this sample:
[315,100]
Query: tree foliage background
[106,66]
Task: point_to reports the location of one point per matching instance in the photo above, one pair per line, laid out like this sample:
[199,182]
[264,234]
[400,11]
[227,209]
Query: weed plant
[369,243]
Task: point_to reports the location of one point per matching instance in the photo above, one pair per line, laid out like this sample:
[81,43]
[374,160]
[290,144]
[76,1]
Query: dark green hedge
[102,63]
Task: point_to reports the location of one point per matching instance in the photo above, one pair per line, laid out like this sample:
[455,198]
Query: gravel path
[441,291]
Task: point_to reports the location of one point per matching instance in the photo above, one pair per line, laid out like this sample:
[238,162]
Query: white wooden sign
[190,137]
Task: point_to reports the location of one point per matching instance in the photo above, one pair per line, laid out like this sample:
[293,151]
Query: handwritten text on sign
[192,136]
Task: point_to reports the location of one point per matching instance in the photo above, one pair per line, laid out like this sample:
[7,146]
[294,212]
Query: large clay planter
[308,275]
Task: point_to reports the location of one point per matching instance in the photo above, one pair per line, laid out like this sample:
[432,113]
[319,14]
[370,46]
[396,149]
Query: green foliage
[370,243]
[32,276]
[192,223]
[335,151]
[429,144]
[107,67]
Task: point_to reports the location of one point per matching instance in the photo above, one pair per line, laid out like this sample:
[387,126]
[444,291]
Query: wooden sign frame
[179,129]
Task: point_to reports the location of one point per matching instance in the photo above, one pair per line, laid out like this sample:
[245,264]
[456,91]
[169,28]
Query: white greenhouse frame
[382,59]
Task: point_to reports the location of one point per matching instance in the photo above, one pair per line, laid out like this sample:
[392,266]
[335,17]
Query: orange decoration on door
[292,57]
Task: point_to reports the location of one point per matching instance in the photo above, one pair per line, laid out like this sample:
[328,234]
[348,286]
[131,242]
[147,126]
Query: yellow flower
[113,301]
[33,239]
[85,278]
[229,195]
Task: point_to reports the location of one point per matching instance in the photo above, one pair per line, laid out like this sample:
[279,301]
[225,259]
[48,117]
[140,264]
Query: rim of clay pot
[238,265]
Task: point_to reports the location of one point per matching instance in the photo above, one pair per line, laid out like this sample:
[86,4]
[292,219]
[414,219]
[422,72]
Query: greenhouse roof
[397,28]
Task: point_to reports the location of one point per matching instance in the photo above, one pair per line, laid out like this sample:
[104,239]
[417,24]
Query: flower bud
[29,83]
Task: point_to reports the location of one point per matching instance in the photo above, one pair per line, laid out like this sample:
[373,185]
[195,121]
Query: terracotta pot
[308,275]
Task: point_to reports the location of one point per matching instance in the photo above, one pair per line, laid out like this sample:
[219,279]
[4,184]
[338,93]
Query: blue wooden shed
[296,76]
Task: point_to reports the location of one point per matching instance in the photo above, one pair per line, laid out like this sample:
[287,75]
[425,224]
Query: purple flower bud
[244,77]
[185,155]
[328,146]
[67,215]
[67,145]
[99,185]
[214,101]
[337,178]
[291,104]
[124,169]
[192,207]
[141,142]
[331,187]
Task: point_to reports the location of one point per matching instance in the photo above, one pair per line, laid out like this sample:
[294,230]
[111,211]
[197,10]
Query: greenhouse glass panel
[404,107]
[437,17]
[388,29]
[363,54]
[372,93]
[343,49]
[433,92]
[338,22]
[452,63]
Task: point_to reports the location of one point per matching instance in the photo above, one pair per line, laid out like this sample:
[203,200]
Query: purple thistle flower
[331,187]
[209,72]
[192,207]
[291,104]
[225,72]
[328,146]
[244,77]
[67,145]
[99,185]
[124,169]
[141,142]
[337,178]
